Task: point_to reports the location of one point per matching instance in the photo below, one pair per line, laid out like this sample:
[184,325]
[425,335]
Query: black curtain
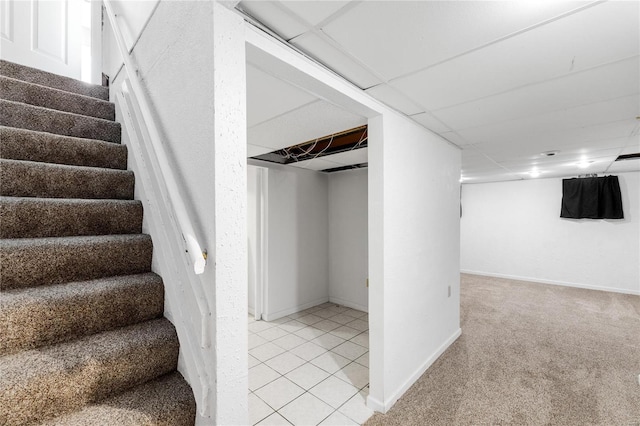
[592,198]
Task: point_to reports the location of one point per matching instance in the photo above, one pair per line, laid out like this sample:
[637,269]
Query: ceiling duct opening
[628,156]
[351,167]
[336,143]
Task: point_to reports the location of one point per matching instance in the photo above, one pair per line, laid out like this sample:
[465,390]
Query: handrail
[197,255]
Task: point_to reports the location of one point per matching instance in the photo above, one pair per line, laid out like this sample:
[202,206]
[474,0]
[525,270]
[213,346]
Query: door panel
[44,34]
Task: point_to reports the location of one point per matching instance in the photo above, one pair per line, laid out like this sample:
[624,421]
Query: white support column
[230,177]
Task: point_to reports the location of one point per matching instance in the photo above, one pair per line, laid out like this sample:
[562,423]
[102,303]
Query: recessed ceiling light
[549,153]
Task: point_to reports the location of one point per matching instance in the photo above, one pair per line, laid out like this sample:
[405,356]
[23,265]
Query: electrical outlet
[449,292]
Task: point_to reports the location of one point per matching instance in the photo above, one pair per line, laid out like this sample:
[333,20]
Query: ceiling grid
[505,81]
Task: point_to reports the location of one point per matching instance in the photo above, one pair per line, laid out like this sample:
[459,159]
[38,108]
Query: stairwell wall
[190,57]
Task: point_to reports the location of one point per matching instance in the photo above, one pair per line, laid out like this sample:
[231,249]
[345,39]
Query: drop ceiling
[505,81]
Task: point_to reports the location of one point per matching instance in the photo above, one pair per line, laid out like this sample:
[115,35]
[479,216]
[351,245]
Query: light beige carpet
[532,354]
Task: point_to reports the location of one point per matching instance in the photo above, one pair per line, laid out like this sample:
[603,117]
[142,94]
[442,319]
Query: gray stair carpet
[83,340]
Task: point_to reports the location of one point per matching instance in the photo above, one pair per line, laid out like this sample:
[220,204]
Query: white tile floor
[310,368]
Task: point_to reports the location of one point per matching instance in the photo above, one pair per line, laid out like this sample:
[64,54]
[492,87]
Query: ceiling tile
[274,17]
[598,84]
[268,97]
[321,50]
[314,12]
[633,148]
[551,50]
[315,164]
[624,166]
[565,159]
[454,138]
[254,150]
[430,122]
[474,161]
[615,110]
[348,158]
[493,176]
[393,98]
[309,122]
[542,139]
[396,38]
[531,152]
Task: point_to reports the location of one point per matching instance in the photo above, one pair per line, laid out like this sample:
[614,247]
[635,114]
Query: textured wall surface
[190,56]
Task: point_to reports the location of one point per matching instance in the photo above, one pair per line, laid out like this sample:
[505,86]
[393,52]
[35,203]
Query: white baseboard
[348,304]
[251,310]
[383,407]
[552,282]
[283,313]
[375,404]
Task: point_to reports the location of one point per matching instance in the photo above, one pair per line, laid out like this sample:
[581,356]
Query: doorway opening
[308,322]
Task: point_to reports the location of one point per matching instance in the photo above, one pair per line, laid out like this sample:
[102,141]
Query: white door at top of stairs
[42,34]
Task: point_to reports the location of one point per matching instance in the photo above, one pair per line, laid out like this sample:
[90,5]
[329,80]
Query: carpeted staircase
[83,340]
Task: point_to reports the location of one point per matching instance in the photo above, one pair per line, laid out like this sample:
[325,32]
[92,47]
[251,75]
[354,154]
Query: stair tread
[67,166]
[71,201]
[31,117]
[167,400]
[31,262]
[33,217]
[44,78]
[22,178]
[72,240]
[32,145]
[48,97]
[53,380]
[36,316]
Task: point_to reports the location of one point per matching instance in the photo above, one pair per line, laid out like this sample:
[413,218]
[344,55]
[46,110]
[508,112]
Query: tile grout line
[326,350]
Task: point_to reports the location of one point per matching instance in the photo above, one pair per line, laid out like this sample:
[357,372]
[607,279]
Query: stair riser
[32,75]
[30,179]
[46,315]
[100,368]
[36,262]
[167,401]
[32,94]
[14,114]
[43,217]
[20,144]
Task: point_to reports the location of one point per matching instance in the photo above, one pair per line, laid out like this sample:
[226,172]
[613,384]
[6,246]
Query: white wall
[348,239]
[133,16]
[297,241]
[514,230]
[413,253]
[190,57]
[252,234]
